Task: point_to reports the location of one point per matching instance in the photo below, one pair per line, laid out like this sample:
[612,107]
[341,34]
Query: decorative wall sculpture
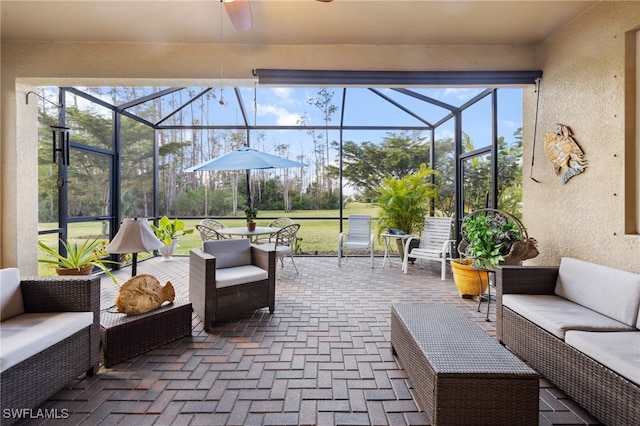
[564,152]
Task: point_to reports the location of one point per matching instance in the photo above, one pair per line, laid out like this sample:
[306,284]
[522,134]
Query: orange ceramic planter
[469,279]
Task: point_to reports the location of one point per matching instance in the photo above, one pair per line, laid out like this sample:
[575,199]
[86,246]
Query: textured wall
[583,87]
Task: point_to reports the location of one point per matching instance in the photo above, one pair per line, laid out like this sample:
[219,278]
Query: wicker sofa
[579,326]
[49,335]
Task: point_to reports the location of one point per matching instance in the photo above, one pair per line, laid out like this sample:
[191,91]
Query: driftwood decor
[564,152]
[143,293]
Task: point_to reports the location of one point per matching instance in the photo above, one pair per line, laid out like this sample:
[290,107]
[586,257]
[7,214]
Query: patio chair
[212,223]
[357,237]
[230,277]
[435,243]
[282,242]
[280,222]
[209,231]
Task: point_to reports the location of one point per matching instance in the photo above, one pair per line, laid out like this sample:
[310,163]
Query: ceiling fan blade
[239,12]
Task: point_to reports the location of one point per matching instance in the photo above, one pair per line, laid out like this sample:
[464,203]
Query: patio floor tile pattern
[323,357]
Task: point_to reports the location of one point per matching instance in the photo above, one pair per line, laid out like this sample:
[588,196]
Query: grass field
[319,236]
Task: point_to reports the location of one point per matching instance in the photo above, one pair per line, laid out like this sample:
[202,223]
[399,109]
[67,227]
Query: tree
[323,103]
[367,163]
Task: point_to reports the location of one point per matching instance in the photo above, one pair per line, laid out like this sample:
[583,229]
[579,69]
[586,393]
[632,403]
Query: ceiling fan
[239,12]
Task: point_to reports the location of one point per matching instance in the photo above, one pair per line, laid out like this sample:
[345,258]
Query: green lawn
[319,236]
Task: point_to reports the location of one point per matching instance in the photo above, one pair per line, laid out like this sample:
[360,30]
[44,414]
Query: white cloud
[282,116]
[460,93]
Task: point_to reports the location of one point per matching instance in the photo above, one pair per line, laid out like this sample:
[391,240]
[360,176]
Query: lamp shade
[134,236]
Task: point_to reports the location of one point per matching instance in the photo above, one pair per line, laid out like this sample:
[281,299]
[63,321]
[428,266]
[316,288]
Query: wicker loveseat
[49,335]
[579,326]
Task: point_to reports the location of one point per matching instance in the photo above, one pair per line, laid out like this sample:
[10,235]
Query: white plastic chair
[357,237]
[435,243]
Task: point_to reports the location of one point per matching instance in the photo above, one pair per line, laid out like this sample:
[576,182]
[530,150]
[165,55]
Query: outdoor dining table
[242,231]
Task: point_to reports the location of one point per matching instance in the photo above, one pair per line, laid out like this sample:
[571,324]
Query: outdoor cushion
[557,315]
[11,303]
[228,253]
[25,335]
[239,275]
[612,292]
[619,351]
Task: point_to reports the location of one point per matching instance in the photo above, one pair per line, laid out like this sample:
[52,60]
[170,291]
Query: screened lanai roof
[269,107]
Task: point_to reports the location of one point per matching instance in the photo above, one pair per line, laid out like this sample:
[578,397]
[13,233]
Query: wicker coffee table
[125,336]
[460,375]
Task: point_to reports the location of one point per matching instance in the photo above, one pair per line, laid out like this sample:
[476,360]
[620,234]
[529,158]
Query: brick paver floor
[323,357]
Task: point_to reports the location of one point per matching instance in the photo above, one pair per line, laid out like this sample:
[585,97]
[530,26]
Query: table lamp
[134,236]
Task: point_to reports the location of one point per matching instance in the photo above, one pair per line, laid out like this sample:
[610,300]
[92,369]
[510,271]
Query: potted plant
[404,202]
[80,258]
[251,213]
[168,232]
[489,237]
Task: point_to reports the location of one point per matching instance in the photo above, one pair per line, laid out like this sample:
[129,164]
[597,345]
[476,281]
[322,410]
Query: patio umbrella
[246,158]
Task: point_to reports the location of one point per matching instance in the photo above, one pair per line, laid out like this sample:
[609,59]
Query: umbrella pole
[249,200]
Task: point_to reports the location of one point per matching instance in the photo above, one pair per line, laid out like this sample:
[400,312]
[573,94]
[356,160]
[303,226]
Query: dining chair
[212,223]
[279,223]
[208,229]
[358,236]
[282,242]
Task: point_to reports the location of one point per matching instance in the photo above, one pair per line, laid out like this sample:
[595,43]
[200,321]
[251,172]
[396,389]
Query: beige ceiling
[290,21]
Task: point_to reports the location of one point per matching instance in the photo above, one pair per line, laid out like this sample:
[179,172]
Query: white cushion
[11,303]
[229,253]
[280,250]
[619,351]
[612,292]
[557,315]
[239,275]
[25,335]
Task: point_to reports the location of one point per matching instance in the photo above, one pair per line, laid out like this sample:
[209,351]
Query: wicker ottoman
[125,336]
[460,375]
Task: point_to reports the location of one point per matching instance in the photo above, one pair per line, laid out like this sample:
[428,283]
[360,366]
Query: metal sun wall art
[564,152]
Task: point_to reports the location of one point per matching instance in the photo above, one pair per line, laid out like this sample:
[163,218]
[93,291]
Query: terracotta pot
[469,279]
[251,226]
[85,270]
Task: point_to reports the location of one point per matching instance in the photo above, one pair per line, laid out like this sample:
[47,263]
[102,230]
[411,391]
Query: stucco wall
[583,87]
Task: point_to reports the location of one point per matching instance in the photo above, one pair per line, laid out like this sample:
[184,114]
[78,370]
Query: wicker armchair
[32,381]
[230,277]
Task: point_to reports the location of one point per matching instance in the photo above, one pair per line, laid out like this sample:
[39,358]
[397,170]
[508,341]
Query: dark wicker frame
[33,381]
[213,304]
[608,396]
[451,361]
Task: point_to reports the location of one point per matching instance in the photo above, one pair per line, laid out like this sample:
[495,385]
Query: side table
[123,336]
[387,243]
